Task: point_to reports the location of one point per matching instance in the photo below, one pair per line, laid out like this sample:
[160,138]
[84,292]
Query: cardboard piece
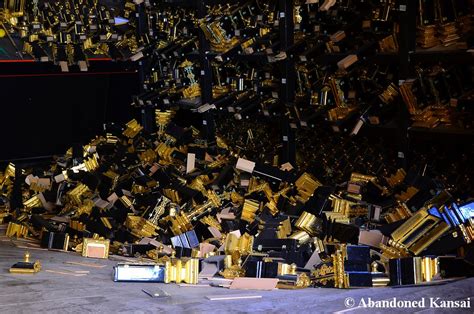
[245,165]
[190,162]
[247,283]
[372,238]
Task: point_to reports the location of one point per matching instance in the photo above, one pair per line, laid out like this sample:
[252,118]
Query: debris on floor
[167,206]
[232,297]
[26,266]
[157,293]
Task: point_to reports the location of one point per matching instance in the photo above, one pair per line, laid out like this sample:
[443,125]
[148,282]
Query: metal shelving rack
[204,56]
[288,79]
[407,57]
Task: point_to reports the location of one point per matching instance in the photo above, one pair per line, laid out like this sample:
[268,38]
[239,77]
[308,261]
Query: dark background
[45,111]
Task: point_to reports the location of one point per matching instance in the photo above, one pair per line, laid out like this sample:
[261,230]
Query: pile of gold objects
[174,201]
[68,33]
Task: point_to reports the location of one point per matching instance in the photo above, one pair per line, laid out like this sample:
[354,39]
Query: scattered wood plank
[86,264]
[64,273]
[190,285]
[74,271]
[30,247]
[232,297]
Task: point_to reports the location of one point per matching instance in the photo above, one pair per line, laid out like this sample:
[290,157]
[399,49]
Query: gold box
[95,248]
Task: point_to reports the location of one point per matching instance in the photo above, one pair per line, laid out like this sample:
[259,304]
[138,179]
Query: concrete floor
[96,292]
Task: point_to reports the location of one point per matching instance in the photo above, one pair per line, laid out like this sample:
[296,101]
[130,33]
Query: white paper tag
[245,165]
[190,162]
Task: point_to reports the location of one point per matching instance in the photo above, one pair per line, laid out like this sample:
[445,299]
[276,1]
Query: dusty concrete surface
[48,292]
